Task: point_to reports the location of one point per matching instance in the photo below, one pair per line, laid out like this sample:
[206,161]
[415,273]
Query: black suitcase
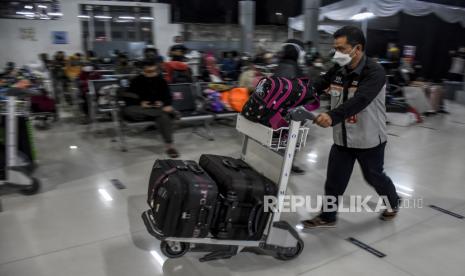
[182,198]
[239,214]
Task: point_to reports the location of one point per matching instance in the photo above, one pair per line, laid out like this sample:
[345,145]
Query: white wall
[13,48]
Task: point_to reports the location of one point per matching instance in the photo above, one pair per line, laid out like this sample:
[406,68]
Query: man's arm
[323,82]
[367,91]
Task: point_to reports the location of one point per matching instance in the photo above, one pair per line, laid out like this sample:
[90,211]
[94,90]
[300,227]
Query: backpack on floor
[274,97]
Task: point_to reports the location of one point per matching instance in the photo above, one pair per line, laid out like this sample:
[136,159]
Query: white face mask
[341,58]
[318,64]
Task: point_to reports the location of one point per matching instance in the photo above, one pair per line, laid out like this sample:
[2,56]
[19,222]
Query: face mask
[342,59]
[87,68]
[318,64]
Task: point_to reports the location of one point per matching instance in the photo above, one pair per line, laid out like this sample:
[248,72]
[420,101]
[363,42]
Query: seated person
[154,103]
[177,71]
[123,66]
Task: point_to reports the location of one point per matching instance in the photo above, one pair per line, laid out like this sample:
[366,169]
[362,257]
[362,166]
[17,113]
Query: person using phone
[154,103]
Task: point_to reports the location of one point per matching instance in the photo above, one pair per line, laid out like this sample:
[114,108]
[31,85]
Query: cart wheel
[33,188]
[289,256]
[174,249]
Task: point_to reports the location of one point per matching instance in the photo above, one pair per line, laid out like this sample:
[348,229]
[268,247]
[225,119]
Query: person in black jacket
[154,103]
[288,67]
[290,54]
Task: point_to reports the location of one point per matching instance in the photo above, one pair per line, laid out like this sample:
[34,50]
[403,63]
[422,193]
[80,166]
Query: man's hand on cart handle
[323,120]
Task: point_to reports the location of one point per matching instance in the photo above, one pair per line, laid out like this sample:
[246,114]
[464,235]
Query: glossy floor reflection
[80,224]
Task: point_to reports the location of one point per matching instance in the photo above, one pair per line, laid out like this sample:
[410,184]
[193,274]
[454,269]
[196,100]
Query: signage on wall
[27,34]
[60,37]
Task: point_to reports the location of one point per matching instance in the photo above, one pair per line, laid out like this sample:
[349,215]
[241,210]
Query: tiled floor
[70,229]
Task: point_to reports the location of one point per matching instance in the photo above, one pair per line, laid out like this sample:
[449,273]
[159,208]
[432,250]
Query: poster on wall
[27,34]
[60,37]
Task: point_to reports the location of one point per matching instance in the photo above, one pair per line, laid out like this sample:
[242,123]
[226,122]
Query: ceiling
[28,9]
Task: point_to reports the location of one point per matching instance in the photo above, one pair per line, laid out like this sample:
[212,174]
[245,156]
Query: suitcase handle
[254,218]
[195,169]
[229,164]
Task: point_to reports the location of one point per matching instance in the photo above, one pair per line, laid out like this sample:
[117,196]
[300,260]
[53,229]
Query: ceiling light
[55,14]
[299,226]
[102,17]
[83,16]
[24,13]
[278,13]
[73,147]
[362,16]
[42,6]
[127,17]
[146,18]
[29,7]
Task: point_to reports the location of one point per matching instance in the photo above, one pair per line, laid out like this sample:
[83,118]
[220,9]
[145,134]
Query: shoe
[317,222]
[297,170]
[172,153]
[442,111]
[388,215]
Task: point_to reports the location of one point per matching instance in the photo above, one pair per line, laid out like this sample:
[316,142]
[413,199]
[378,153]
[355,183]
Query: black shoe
[172,153]
[297,170]
[388,215]
[443,111]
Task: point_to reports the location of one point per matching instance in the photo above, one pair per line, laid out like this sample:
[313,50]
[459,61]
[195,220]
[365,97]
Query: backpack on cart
[274,97]
[182,198]
[239,214]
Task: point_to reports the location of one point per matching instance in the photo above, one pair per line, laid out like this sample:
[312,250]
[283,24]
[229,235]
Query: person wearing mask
[154,103]
[123,67]
[288,67]
[357,86]
[212,67]
[152,53]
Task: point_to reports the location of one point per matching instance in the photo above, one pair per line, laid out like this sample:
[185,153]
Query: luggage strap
[161,178]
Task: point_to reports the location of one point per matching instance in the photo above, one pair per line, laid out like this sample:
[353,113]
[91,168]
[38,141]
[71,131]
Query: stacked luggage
[222,197]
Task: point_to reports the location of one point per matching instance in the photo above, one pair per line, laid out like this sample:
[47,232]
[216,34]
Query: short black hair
[354,35]
[290,51]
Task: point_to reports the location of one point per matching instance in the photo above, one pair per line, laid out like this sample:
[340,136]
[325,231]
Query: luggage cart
[15,175]
[270,152]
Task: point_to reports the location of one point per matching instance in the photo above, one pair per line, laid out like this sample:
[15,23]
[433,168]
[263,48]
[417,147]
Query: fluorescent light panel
[103,17]
[25,13]
[55,14]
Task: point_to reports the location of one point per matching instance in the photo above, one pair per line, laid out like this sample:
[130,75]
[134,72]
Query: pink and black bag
[274,97]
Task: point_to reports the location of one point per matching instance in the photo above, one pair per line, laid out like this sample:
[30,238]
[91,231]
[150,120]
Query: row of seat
[108,96]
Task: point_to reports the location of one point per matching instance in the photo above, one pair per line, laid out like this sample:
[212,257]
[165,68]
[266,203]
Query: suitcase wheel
[33,188]
[174,249]
[286,256]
